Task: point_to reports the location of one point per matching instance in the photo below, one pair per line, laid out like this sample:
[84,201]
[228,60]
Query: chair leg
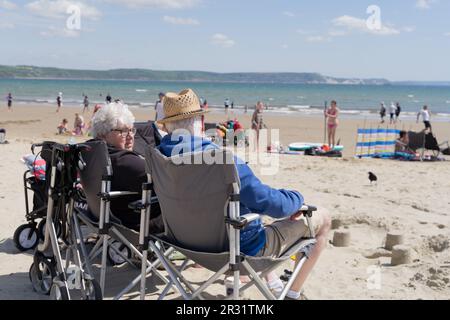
[169,270]
[259,282]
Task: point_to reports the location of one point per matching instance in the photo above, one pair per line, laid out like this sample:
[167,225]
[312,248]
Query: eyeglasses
[125,132]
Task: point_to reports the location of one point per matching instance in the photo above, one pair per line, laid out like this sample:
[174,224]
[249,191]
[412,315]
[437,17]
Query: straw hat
[183,105]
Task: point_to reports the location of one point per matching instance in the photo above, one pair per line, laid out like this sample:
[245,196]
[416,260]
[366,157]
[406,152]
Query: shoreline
[291,128]
[290,110]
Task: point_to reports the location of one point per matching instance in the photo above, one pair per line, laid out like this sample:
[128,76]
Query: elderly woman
[113,123]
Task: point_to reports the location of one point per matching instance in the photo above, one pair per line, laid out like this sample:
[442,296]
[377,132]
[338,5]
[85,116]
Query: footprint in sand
[351,196]
[417,207]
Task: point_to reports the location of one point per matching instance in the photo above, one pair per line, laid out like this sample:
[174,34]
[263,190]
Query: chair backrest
[431,142]
[194,197]
[146,136]
[97,161]
[416,140]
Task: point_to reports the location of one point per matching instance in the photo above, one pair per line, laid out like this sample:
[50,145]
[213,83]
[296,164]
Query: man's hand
[296,216]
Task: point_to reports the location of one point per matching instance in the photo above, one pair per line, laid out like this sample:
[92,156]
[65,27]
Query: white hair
[109,117]
[192,125]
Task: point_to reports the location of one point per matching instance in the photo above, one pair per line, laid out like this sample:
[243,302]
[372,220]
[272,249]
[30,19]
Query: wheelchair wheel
[26,237]
[93,290]
[58,292]
[113,257]
[41,229]
[41,276]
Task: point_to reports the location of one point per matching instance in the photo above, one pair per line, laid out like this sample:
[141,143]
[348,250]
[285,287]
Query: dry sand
[411,198]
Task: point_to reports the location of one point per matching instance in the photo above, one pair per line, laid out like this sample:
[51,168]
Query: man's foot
[292,295]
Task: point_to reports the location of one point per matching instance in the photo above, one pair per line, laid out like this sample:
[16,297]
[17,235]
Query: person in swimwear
[332,115]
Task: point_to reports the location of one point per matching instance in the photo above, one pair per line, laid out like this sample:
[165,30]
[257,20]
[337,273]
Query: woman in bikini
[332,115]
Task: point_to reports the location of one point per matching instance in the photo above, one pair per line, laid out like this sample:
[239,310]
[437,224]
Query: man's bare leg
[321,237]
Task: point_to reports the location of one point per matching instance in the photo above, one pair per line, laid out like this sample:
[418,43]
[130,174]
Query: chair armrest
[115,194]
[243,220]
[308,210]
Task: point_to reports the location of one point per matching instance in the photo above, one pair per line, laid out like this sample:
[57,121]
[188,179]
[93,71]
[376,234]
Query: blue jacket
[256,197]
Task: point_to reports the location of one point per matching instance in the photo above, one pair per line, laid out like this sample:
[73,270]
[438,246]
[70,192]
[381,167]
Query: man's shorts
[427,124]
[282,234]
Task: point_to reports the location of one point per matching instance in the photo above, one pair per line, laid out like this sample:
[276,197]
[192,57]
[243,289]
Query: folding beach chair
[422,142]
[199,200]
[96,178]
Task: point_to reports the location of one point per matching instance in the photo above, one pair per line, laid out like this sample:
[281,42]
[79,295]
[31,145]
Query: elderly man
[113,123]
[183,112]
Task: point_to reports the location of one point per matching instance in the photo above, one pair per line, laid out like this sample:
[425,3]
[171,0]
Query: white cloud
[58,32]
[58,9]
[409,29]
[317,39]
[182,21]
[357,24]
[166,4]
[447,34]
[303,32]
[284,46]
[222,41]
[6,26]
[4,4]
[289,14]
[337,33]
[424,4]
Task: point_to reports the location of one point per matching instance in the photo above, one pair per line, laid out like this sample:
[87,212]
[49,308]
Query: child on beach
[332,115]
[257,120]
[78,125]
[62,128]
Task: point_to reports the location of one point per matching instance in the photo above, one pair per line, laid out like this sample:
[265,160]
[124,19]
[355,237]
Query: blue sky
[331,37]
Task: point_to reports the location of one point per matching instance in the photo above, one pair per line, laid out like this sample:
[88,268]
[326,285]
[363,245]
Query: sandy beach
[411,198]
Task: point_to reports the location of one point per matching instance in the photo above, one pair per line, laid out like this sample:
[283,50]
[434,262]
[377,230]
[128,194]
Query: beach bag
[36,165]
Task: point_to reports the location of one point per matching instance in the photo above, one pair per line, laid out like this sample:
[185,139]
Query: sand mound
[438,243]
[435,278]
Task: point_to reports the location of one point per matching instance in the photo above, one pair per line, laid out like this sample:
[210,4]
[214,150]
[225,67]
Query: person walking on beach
[226,104]
[426,115]
[204,106]
[257,120]
[59,101]
[159,109]
[9,100]
[392,111]
[382,112]
[397,112]
[86,104]
[108,99]
[332,115]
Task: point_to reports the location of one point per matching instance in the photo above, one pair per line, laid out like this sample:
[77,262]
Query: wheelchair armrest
[243,220]
[137,205]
